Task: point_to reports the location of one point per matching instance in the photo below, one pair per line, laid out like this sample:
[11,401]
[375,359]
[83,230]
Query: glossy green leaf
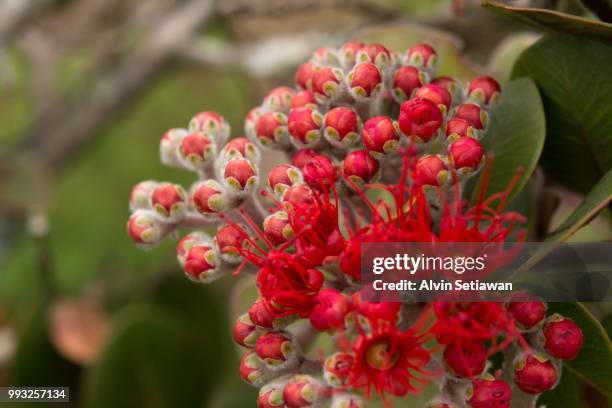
[552,20]
[514,137]
[565,394]
[594,363]
[573,76]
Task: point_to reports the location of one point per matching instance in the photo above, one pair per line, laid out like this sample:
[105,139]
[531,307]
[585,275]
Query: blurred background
[87,88]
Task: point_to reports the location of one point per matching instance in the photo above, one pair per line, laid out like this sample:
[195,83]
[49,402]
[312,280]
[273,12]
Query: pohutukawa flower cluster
[360,120]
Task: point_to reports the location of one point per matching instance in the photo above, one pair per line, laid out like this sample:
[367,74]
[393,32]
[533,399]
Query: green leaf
[552,20]
[152,360]
[594,363]
[594,202]
[565,394]
[514,136]
[573,75]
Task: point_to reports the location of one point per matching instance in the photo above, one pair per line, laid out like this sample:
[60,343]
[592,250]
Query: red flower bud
[304,126]
[406,81]
[210,123]
[375,53]
[484,89]
[201,264]
[448,83]
[196,150]
[529,313]
[277,228]
[245,333]
[229,242]
[430,171]
[466,359]
[209,197]
[304,99]
[279,99]
[305,74]
[360,167]
[473,114]
[324,56]
[271,129]
[420,118]
[169,201]
[534,374]
[320,173]
[303,156]
[275,348]
[422,55]
[348,53]
[365,81]
[562,337]
[271,396]
[466,152]
[488,393]
[342,126]
[253,369]
[140,196]
[337,368]
[457,128]
[240,175]
[296,195]
[145,229]
[435,94]
[330,309]
[168,146]
[301,391]
[189,240]
[379,135]
[241,147]
[326,83]
[283,176]
[263,317]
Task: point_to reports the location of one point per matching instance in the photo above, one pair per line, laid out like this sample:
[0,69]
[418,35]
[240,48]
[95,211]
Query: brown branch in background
[601,8]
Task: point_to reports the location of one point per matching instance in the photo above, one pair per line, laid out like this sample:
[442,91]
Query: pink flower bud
[241,147]
[279,99]
[562,337]
[201,264]
[473,114]
[252,369]
[484,90]
[304,125]
[210,123]
[250,121]
[435,94]
[430,171]
[360,167]
[264,318]
[145,229]
[169,201]
[379,135]
[457,128]
[275,348]
[448,83]
[240,175]
[488,393]
[324,56]
[229,241]
[271,396]
[189,240]
[283,176]
[377,54]
[305,75]
[276,227]
[271,129]
[406,81]
[196,150]
[347,401]
[320,173]
[466,152]
[348,53]
[465,359]
[304,99]
[245,333]
[534,374]
[326,83]
[337,368]
[296,195]
[303,156]
[527,314]
[330,309]
[365,81]
[342,126]
[169,145]
[420,118]
[209,197]
[301,391]
[140,196]
[422,55]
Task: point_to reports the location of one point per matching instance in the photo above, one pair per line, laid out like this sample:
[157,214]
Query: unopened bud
[534,374]
[430,171]
[169,201]
[189,240]
[360,167]
[327,83]
[489,392]
[140,196]
[466,153]
[201,263]
[473,114]
[364,81]
[271,130]
[145,228]
[210,123]
[436,94]
[168,147]
[380,136]
[304,99]
[377,54]
[253,369]
[241,147]
[342,126]
[276,349]
[196,151]
[209,197]
[245,332]
[304,125]
[348,53]
[230,241]
[420,119]
[302,391]
[562,337]
[279,99]
[305,74]
[240,176]
[422,56]
[406,81]
[484,90]
[337,368]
